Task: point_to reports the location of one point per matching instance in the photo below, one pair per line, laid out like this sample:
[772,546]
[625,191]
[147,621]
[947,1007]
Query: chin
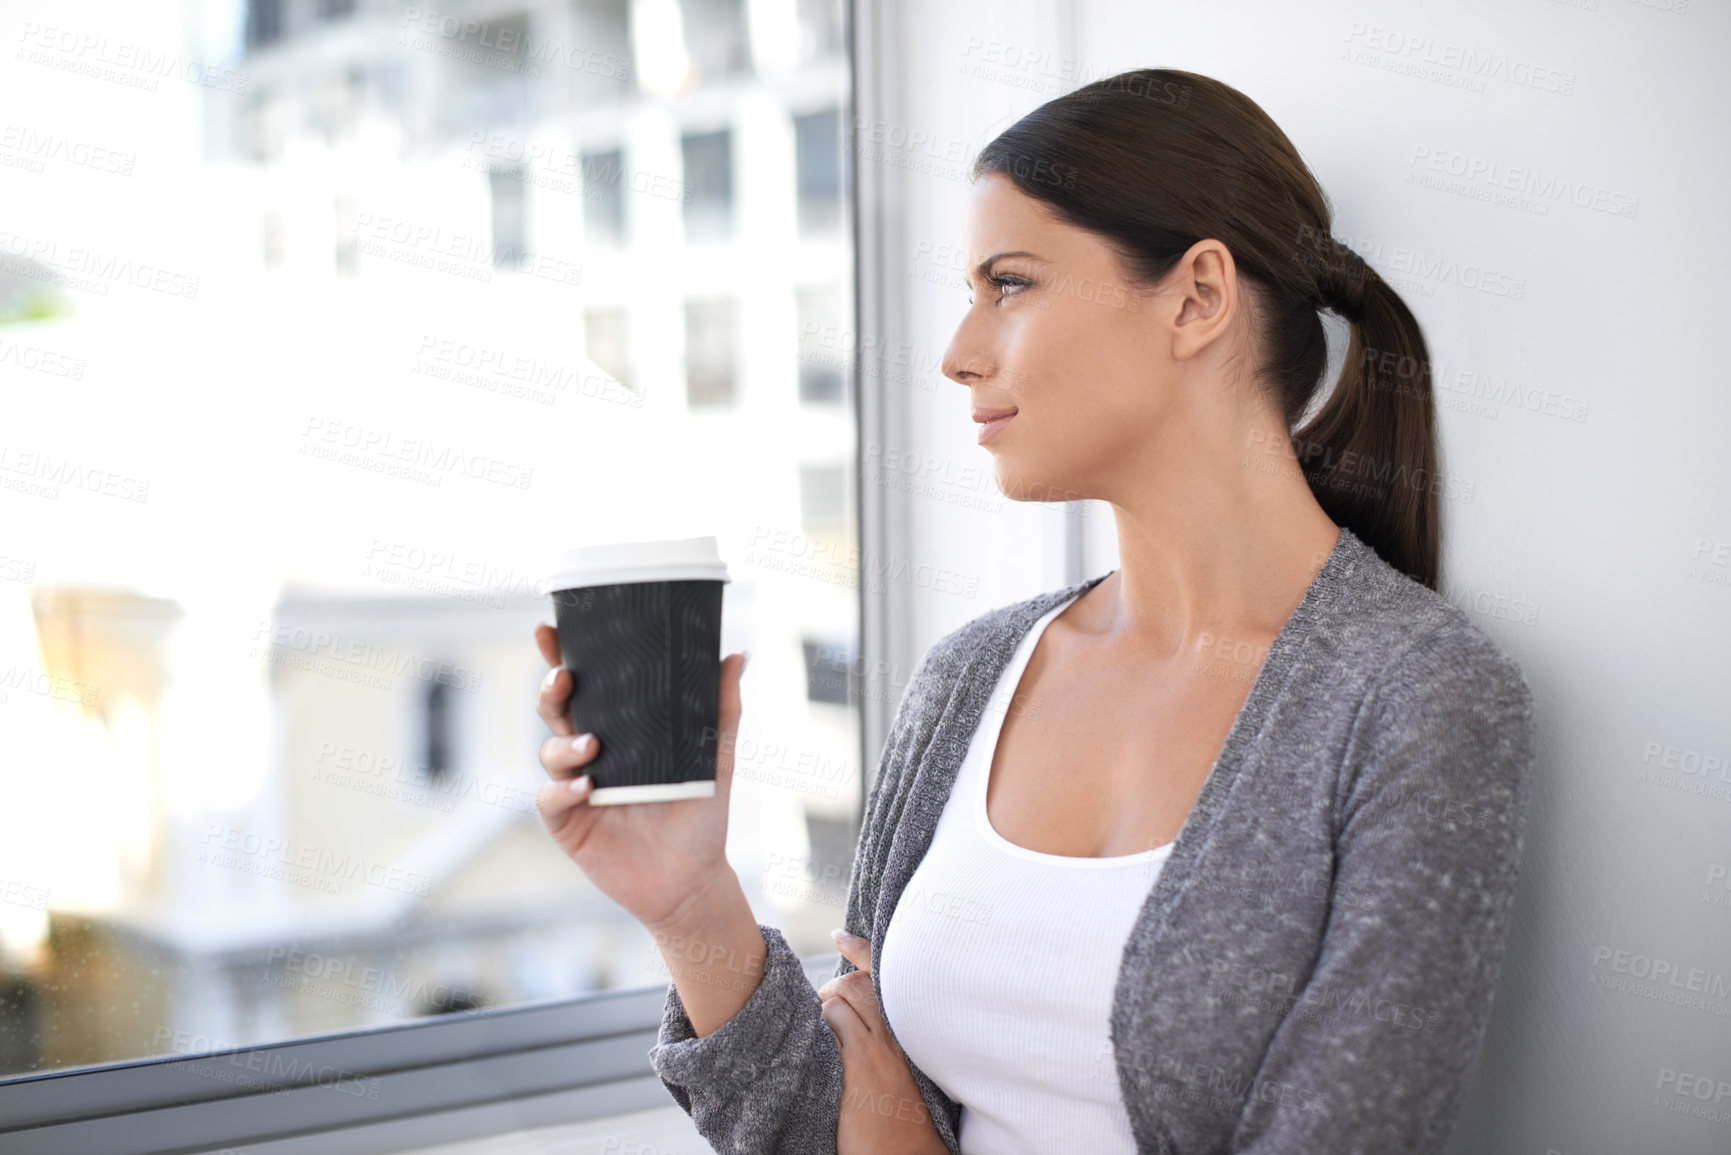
[1016,485]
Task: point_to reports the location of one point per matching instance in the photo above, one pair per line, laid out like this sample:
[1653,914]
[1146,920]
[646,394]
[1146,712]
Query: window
[826,671]
[709,352]
[820,28]
[604,185]
[508,185]
[715,36]
[608,340]
[485,64]
[335,111]
[602,71]
[264,126]
[277,801]
[273,244]
[436,710]
[817,140]
[263,22]
[344,224]
[708,160]
[824,351]
[822,499]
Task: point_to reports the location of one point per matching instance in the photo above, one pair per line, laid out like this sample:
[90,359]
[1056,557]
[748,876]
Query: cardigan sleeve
[769,1080]
[1375,1052]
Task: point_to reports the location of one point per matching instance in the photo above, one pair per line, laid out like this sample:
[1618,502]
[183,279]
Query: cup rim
[617,563]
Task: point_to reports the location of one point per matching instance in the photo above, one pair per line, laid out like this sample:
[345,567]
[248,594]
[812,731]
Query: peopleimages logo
[271,641]
[1661,970]
[509,39]
[121,61]
[1495,174]
[279,857]
[53,472]
[384,446]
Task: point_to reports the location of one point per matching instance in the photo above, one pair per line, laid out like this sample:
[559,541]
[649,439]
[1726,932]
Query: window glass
[708,164]
[321,326]
[818,137]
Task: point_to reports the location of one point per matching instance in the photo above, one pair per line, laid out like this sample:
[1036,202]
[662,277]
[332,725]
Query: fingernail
[551,674]
[580,743]
[744,657]
[840,935]
[580,784]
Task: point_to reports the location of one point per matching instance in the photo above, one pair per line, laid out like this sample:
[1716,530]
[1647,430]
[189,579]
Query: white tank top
[999,965]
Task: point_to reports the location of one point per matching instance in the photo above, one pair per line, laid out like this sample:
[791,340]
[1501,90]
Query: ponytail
[1155,160]
[1369,453]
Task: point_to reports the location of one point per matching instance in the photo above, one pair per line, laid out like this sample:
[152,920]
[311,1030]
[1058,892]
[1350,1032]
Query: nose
[968,359]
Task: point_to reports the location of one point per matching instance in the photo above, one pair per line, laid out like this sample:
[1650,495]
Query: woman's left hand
[882,1111]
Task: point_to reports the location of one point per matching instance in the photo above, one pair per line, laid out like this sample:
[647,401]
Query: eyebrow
[984,268]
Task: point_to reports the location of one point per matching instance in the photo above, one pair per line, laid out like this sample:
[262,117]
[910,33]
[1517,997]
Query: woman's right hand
[661,861]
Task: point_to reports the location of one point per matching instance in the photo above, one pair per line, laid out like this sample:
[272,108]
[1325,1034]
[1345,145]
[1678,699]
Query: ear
[1207,295]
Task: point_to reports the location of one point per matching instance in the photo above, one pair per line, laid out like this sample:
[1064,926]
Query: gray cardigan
[1314,967]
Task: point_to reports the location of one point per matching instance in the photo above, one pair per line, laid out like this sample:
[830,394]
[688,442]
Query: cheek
[1080,372]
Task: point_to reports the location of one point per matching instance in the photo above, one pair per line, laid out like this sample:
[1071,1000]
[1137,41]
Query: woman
[1233,871]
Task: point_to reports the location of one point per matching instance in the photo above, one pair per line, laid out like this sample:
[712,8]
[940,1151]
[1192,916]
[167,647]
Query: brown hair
[1155,160]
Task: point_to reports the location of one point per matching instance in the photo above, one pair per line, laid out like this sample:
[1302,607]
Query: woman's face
[1095,370]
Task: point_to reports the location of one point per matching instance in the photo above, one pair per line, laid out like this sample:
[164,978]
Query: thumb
[727,722]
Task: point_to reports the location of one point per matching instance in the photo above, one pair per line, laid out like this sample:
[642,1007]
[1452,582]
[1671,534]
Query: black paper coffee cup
[640,630]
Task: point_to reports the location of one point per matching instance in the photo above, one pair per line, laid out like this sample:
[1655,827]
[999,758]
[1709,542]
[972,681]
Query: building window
[604,198]
[436,730]
[263,22]
[716,39]
[820,29]
[480,72]
[265,125]
[334,109]
[817,146]
[607,339]
[709,352]
[606,71]
[347,228]
[273,241]
[826,671]
[823,356]
[509,187]
[708,159]
[822,500]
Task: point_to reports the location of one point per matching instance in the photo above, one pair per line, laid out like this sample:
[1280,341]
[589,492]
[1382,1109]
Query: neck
[1219,542]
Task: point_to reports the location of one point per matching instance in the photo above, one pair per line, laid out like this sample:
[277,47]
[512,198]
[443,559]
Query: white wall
[1587,547]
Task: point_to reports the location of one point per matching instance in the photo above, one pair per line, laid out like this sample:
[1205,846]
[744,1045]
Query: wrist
[713,905]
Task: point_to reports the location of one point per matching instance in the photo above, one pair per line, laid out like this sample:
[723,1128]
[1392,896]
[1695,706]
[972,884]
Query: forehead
[1001,216]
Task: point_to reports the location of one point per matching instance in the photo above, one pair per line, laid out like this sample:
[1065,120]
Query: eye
[1006,281]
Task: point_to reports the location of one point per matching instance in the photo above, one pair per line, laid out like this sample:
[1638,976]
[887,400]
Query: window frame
[385,1088]
[473,1073]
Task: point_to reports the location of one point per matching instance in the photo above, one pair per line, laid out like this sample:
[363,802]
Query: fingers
[853,1005]
[555,693]
[561,756]
[850,1002]
[547,638]
[727,723]
[552,699]
[844,1023]
[855,949]
[555,801]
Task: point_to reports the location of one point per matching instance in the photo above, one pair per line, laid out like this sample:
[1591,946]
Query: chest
[1095,759]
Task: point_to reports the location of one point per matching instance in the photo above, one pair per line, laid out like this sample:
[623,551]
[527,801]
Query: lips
[992,420]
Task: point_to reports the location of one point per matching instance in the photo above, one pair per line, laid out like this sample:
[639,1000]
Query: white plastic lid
[691,558]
